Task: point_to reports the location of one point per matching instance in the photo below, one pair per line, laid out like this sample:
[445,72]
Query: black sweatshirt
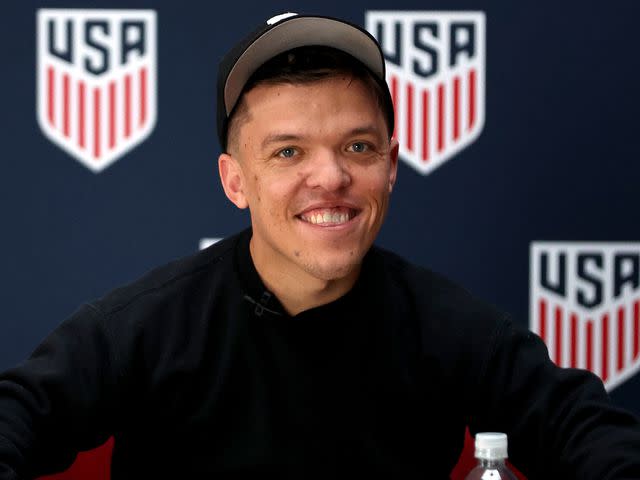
[199,373]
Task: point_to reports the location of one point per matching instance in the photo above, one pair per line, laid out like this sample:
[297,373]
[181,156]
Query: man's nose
[328,170]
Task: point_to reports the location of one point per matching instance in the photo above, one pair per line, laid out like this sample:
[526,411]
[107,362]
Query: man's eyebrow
[278,138]
[365,130]
[291,137]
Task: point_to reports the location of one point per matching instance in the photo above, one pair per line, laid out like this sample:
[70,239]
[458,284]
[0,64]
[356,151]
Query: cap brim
[301,31]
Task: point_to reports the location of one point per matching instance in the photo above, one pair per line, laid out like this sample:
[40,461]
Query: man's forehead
[300,135]
[323,91]
[349,99]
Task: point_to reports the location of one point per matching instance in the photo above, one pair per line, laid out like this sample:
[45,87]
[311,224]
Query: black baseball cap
[283,33]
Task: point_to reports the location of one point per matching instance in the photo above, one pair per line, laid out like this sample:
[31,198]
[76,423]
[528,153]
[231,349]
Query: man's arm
[560,422]
[61,400]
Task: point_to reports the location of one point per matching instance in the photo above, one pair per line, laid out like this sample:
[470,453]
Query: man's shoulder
[183,276]
[415,278]
[454,328]
[431,293]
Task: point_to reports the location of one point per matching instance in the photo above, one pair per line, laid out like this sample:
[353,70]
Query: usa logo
[436,74]
[585,304]
[96,81]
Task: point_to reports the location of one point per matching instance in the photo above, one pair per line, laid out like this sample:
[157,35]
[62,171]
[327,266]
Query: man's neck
[296,289]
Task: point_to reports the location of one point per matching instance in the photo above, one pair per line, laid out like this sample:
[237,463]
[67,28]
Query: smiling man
[296,348]
[313,161]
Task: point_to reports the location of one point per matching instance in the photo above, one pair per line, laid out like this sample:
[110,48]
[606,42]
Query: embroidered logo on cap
[282,16]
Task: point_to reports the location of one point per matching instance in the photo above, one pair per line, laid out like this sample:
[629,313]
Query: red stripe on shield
[590,345]
[558,344]
[472,98]
[605,347]
[574,340]
[621,337]
[409,117]
[456,107]
[65,105]
[440,117]
[543,321]
[636,329]
[51,99]
[96,122]
[425,125]
[112,114]
[127,105]
[81,114]
[143,96]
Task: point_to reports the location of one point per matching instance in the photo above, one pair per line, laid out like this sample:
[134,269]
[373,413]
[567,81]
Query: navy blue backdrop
[556,160]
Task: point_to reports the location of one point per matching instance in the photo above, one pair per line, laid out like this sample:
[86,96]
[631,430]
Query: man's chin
[335,270]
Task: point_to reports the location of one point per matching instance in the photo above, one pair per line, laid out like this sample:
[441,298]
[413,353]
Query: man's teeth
[327,217]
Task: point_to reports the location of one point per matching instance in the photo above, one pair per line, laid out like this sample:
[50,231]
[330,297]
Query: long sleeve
[61,400]
[560,422]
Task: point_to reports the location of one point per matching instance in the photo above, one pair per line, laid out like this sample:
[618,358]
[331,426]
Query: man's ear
[394,149]
[232,179]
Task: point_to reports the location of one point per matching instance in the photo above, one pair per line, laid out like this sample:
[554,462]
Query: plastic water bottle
[491,452]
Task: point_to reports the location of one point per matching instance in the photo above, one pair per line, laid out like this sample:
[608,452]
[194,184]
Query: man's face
[314,165]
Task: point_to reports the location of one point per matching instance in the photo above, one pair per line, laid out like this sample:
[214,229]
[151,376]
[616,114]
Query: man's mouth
[328,216]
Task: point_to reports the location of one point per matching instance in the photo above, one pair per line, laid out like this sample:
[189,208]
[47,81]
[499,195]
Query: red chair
[91,465]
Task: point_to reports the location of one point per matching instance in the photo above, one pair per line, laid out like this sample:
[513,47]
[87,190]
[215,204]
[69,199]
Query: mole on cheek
[255,178]
[296,253]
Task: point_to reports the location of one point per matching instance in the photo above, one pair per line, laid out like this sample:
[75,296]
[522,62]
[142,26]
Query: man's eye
[287,152]
[359,147]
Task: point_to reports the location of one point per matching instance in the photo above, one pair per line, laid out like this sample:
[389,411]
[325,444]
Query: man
[296,348]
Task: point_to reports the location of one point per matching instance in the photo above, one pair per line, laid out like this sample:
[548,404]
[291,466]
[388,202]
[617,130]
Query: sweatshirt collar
[256,293]
[266,303]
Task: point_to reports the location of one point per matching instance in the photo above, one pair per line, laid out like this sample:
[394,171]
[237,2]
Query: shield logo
[585,304]
[436,74]
[96,81]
